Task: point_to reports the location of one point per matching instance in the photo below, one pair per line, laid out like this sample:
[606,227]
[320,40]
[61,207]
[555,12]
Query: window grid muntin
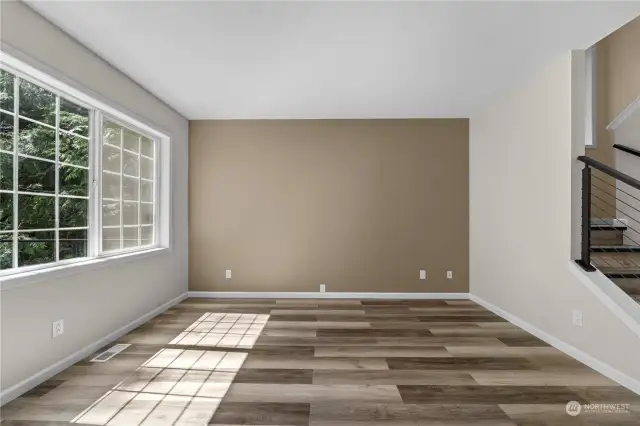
[16,193]
[16,135]
[57,183]
[104,118]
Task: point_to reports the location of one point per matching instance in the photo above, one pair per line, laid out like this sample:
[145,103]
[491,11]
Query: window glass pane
[6,171]
[37,140]
[130,237]
[130,164]
[74,181]
[37,103]
[122,212]
[74,118]
[146,213]
[146,233]
[130,213]
[74,150]
[36,247]
[146,168]
[111,158]
[146,189]
[36,212]
[36,175]
[129,189]
[110,213]
[73,212]
[6,131]
[146,147]
[131,141]
[110,186]
[6,211]
[73,244]
[6,90]
[111,133]
[6,251]
[110,239]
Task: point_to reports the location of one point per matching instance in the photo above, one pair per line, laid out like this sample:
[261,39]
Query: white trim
[606,291]
[599,366]
[591,99]
[48,272]
[626,113]
[312,295]
[45,374]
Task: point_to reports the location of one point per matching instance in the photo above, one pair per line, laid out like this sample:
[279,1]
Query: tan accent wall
[618,83]
[358,205]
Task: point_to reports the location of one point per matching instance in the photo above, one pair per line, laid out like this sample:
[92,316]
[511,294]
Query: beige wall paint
[523,147]
[623,58]
[98,302]
[617,83]
[358,205]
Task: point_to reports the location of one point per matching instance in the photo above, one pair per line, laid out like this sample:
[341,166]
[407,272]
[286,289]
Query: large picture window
[73,183]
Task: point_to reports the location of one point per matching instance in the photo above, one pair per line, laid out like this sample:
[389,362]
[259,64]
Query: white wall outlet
[227,274]
[323,288]
[449,275]
[58,328]
[423,274]
[577,318]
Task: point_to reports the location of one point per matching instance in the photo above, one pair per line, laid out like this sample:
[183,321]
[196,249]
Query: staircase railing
[627,149]
[610,222]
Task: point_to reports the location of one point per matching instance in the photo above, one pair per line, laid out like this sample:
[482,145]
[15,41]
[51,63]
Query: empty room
[319,213]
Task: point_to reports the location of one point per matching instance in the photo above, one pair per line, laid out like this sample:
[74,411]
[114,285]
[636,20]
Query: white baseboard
[29,383]
[314,295]
[599,366]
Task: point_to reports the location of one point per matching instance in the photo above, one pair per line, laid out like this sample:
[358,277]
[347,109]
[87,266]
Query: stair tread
[632,269]
[615,248]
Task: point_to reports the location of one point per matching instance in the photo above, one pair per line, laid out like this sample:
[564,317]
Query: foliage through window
[47,152]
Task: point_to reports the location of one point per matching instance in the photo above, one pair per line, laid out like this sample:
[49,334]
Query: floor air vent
[111,352]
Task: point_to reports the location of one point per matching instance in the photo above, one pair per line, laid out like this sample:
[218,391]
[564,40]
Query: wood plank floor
[326,363]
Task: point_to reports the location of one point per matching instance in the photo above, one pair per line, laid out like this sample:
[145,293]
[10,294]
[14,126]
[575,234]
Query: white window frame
[101,118]
[97,110]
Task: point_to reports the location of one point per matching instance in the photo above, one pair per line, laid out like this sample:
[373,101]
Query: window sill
[56,272]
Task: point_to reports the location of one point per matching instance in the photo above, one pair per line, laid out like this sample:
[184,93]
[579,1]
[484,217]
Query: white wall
[93,304]
[522,151]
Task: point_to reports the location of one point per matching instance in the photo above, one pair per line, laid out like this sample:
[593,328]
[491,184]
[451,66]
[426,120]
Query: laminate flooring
[299,362]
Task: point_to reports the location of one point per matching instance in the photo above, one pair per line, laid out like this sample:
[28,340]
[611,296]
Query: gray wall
[97,303]
[522,156]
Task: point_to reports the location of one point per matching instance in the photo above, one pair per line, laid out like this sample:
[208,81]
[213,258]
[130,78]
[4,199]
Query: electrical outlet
[228,274]
[577,318]
[449,275]
[423,274]
[323,288]
[58,328]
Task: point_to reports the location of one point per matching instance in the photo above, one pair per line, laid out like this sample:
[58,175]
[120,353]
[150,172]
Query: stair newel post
[585,259]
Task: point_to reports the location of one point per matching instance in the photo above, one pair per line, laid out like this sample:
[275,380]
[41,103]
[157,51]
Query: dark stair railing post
[585,258]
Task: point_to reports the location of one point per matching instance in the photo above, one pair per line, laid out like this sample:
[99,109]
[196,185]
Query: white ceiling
[331,59]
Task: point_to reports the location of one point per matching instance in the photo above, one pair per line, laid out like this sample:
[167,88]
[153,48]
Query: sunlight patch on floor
[220,330]
[174,387]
